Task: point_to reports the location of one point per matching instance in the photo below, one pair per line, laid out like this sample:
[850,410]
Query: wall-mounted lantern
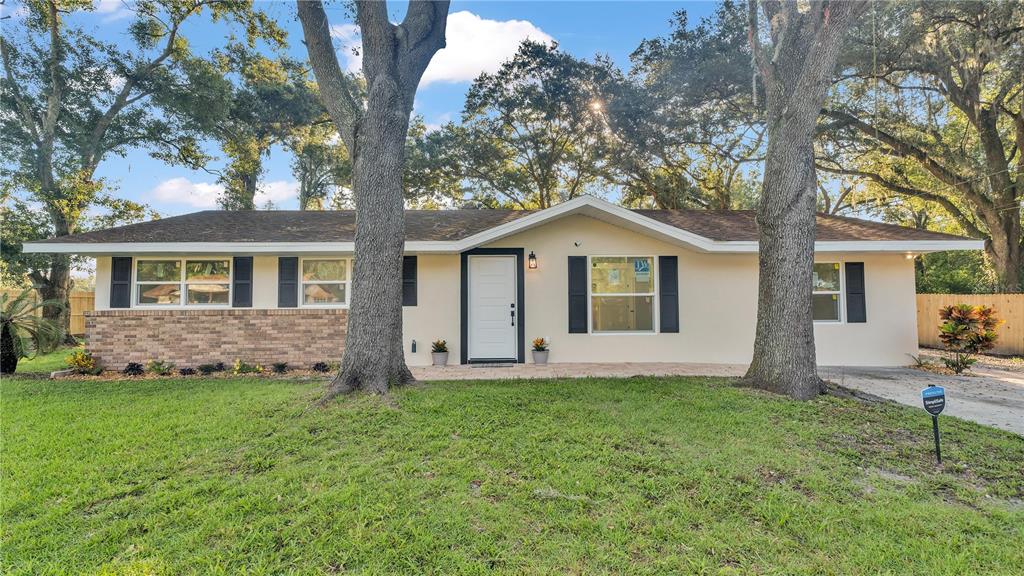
[532,261]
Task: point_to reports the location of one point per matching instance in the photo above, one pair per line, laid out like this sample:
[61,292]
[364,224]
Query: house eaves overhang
[584,205]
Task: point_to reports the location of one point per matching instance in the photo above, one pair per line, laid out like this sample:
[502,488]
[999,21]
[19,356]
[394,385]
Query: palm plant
[23,333]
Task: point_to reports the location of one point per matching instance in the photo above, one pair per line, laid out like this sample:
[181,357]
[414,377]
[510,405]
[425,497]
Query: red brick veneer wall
[193,337]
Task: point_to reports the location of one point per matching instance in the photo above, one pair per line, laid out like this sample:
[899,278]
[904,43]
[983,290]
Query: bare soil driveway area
[991,394]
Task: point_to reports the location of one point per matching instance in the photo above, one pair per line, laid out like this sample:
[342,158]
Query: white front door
[492,308]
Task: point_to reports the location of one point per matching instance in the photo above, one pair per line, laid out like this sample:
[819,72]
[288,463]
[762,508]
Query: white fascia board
[914,246]
[98,248]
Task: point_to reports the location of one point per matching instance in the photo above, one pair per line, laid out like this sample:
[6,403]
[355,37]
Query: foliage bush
[82,362]
[438,346]
[540,345]
[159,367]
[241,367]
[955,272]
[966,331]
[133,369]
[325,366]
[187,371]
[23,333]
[279,367]
[207,369]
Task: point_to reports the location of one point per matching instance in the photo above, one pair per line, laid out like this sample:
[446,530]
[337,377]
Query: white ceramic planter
[540,356]
[439,358]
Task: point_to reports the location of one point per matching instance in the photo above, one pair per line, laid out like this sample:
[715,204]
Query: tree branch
[946,203]
[338,91]
[908,150]
[27,117]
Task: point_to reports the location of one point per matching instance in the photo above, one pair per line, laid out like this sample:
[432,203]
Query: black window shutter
[241,289]
[668,282]
[577,294]
[287,282]
[121,282]
[408,281]
[856,305]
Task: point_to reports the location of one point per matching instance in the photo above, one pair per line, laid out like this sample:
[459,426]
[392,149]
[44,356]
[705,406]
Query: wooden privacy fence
[1009,307]
[81,302]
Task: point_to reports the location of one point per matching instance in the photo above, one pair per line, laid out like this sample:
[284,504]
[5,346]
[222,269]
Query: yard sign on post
[934,398]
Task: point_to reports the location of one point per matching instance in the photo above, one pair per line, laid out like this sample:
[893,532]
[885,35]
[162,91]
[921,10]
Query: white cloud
[473,45]
[205,195]
[113,9]
[278,192]
[184,191]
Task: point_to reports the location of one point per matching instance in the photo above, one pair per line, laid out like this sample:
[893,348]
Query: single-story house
[601,282]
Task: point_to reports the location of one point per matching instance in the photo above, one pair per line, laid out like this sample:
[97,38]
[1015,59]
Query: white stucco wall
[717,302]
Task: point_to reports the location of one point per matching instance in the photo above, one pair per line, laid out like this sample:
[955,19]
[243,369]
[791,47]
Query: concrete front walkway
[991,395]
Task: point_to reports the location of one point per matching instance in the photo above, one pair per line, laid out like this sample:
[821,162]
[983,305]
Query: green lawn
[639,476]
[45,363]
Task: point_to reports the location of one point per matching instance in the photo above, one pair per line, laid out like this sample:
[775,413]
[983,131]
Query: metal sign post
[934,398]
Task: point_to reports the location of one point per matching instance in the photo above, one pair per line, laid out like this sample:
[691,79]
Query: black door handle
[513,314]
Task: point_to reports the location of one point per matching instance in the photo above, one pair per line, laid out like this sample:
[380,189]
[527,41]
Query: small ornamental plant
[321,367]
[133,369]
[207,369]
[439,352]
[187,371]
[540,345]
[160,368]
[279,367]
[965,332]
[82,362]
[241,367]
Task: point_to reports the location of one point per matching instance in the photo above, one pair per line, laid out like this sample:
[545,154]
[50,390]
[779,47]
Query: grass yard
[639,476]
[46,363]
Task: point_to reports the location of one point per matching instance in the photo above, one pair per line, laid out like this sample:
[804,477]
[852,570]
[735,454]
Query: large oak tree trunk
[1005,250]
[797,71]
[57,287]
[374,358]
[394,59]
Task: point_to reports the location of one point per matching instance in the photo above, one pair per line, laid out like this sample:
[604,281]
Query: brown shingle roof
[733,225]
[448,225]
[292,226]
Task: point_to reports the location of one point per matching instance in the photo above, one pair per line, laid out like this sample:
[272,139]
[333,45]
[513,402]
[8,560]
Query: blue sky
[480,35]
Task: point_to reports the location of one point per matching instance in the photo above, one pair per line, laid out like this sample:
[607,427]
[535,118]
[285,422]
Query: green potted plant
[439,352]
[540,351]
[23,333]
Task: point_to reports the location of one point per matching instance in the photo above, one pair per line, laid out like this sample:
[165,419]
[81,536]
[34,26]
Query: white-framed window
[827,297]
[324,281]
[183,281]
[622,294]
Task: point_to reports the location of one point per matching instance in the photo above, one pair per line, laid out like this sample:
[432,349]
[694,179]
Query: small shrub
[540,344]
[279,367]
[82,362]
[133,369]
[187,371]
[219,367]
[207,369]
[159,367]
[438,346]
[966,331]
[321,367]
[241,367]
